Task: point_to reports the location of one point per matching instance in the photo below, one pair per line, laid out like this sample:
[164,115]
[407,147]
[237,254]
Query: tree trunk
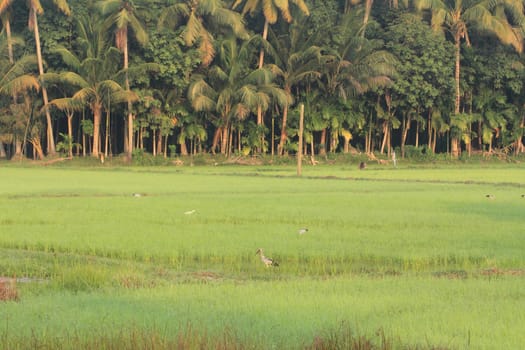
[404,134]
[284,135]
[368,9]
[385,136]
[454,142]
[417,133]
[50,138]
[97,112]
[70,133]
[9,41]
[224,139]
[159,143]
[215,142]
[106,140]
[261,63]
[322,143]
[182,141]
[3,154]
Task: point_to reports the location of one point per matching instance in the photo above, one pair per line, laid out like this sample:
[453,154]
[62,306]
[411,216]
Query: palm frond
[4,5]
[67,103]
[269,11]
[19,84]
[232,20]
[63,6]
[171,15]
[67,56]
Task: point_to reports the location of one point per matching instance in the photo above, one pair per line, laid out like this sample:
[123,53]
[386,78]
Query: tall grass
[420,254]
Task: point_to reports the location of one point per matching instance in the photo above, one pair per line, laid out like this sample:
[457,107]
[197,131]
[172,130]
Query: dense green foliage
[373,79]
[416,257]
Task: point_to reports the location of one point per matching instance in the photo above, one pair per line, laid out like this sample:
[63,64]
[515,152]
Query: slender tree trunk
[182,141]
[97,114]
[70,133]
[9,41]
[429,128]
[50,138]
[322,143]
[385,136]
[404,133]
[261,63]
[454,142]
[368,9]
[83,136]
[106,141]
[417,133]
[216,138]
[224,139]
[3,154]
[284,135]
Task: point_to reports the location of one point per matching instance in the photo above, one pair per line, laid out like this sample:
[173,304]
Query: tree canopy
[228,76]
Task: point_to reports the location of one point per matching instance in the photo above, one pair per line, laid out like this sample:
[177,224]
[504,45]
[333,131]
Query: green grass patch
[410,257]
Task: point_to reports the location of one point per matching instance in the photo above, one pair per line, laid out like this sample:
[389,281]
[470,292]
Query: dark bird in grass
[490,196]
[266,261]
[302,231]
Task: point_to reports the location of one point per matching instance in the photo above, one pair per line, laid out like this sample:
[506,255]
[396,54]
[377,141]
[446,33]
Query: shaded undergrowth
[190,337]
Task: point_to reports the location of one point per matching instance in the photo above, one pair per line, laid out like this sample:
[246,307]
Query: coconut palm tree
[35,9]
[232,91]
[5,16]
[297,60]
[353,66]
[15,80]
[461,17]
[270,10]
[95,74]
[201,15]
[121,16]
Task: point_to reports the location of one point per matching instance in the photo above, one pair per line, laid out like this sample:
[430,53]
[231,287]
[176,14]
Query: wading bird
[302,231]
[490,196]
[189,212]
[266,261]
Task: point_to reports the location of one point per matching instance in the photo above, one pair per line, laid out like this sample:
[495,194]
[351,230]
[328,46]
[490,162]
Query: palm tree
[353,66]
[460,17]
[297,60]
[233,91]
[199,15]
[95,74]
[35,9]
[5,15]
[270,10]
[121,16]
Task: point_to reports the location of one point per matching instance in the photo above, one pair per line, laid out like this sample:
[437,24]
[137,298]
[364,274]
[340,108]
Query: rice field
[414,257]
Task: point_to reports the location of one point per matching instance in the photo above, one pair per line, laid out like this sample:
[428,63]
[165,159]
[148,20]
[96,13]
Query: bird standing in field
[190,212]
[302,230]
[266,261]
[490,196]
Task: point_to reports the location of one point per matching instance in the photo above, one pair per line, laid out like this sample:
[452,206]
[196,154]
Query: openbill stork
[266,261]
[302,230]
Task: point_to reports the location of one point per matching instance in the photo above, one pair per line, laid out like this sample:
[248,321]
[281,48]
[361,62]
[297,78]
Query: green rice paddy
[416,257]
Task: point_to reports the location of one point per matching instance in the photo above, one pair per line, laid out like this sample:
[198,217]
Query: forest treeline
[179,77]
